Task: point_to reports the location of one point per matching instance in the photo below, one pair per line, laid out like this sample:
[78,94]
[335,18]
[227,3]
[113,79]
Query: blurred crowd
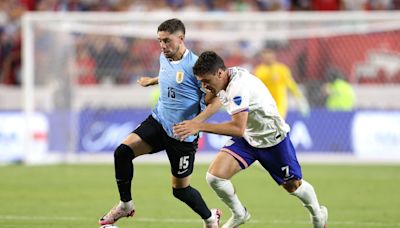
[89,58]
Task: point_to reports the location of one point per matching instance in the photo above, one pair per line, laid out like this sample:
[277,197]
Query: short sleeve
[238,99]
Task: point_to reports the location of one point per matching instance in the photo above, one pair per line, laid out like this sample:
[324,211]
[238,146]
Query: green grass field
[357,196]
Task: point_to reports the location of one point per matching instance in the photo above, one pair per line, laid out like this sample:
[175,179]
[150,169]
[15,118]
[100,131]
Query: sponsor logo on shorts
[182,172]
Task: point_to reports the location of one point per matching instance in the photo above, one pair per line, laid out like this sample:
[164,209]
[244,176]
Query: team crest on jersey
[237,100]
[180,75]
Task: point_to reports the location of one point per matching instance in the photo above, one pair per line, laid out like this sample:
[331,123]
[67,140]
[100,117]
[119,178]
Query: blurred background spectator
[277,77]
[111,59]
[339,93]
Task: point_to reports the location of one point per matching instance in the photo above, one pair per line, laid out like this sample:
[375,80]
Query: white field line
[196,221]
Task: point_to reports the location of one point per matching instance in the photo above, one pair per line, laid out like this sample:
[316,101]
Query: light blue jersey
[180,95]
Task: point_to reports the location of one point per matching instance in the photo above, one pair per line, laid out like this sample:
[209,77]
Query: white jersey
[245,92]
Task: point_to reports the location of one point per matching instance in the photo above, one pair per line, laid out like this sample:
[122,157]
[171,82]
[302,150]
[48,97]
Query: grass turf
[77,195]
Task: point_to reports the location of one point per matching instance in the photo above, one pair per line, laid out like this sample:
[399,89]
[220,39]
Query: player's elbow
[240,132]
[236,128]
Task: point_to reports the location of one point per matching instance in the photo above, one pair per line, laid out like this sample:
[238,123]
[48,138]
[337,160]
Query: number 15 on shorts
[183,162]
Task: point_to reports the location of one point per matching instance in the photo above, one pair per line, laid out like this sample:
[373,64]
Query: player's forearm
[226,128]
[147,81]
[211,108]
[154,81]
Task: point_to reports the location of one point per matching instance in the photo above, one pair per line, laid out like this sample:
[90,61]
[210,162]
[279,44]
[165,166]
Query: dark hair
[208,63]
[172,26]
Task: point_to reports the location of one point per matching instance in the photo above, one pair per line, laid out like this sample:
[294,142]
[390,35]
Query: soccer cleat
[216,213]
[322,220]
[237,220]
[117,212]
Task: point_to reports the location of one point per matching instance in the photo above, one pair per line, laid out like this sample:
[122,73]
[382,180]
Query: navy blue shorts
[279,160]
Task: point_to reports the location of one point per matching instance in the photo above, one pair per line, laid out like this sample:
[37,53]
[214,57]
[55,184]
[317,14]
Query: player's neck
[270,63]
[179,55]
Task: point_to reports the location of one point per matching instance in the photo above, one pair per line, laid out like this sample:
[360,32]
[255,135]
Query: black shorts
[180,154]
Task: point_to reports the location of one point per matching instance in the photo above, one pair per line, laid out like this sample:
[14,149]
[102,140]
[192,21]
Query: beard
[171,54]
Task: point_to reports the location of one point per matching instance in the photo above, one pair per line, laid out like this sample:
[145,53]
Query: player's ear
[219,73]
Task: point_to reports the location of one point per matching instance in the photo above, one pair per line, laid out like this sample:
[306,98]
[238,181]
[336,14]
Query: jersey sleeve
[238,99]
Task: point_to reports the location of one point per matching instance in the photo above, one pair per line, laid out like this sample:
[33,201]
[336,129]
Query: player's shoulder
[163,59]
[192,56]
[239,79]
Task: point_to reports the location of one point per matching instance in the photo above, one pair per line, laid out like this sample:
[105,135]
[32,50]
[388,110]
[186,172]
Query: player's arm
[147,81]
[235,127]
[301,101]
[291,84]
[213,105]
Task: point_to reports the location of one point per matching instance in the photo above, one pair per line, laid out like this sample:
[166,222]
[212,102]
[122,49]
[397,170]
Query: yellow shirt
[278,79]
[341,96]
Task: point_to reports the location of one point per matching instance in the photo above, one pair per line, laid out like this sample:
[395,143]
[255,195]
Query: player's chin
[211,90]
[167,54]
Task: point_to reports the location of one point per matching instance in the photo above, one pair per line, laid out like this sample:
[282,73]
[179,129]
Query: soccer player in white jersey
[180,99]
[258,133]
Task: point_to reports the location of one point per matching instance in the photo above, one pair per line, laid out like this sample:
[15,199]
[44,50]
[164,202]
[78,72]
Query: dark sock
[123,157]
[193,199]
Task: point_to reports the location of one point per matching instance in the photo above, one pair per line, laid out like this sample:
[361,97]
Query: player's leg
[190,196]
[229,161]
[133,146]
[181,156]
[306,193]
[281,162]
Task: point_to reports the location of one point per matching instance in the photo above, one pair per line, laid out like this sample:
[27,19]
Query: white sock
[226,193]
[127,205]
[211,219]
[307,195]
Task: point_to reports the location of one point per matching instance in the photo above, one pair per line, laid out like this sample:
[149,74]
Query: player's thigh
[281,162]
[181,156]
[147,138]
[235,156]
[136,143]
[224,166]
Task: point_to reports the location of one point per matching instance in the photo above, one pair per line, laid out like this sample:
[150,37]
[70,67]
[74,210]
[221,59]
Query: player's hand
[146,81]
[185,129]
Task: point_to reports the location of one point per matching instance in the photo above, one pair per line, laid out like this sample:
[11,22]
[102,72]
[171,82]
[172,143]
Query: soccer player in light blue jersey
[258,133]
[180,99]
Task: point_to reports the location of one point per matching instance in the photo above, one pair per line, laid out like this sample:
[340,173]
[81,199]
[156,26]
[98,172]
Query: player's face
[170,43]
[212,82]
[268,57]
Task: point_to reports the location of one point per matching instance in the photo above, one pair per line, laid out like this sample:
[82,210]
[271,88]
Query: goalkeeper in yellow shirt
[278,79]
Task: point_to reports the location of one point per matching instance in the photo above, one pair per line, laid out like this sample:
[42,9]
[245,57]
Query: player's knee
[291,185]
[181,193]
[214,181]
[123,152]
[211,179]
